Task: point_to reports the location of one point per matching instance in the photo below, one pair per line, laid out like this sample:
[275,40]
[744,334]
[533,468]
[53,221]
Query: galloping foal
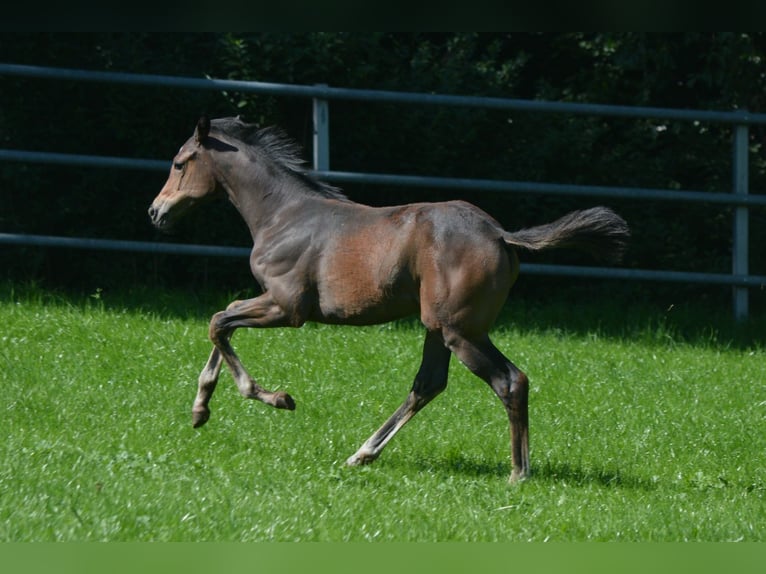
[320,257]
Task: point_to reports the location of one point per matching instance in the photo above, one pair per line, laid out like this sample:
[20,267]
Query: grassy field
[644,427]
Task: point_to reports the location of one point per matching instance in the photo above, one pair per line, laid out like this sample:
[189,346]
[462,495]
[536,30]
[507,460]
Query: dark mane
[282,150]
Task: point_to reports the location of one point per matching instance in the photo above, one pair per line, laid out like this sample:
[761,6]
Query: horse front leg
[208,379]
[260,312]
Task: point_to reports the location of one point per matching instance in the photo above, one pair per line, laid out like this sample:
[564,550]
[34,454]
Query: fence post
[740,255]
[321,134]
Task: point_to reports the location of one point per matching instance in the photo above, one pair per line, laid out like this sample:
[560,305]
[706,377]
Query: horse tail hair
[598,231]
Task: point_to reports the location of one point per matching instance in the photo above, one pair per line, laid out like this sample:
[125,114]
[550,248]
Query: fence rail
[739,198]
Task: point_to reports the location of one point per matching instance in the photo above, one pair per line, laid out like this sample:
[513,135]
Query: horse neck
[260,194]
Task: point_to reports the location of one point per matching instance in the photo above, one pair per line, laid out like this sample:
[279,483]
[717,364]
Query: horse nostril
[152,212]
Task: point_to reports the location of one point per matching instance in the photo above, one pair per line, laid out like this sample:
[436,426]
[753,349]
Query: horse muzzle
[158,214]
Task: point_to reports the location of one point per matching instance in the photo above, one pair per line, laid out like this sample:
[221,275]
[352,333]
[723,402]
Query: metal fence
[739,198]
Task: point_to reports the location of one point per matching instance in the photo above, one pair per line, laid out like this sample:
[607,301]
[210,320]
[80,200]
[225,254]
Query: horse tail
[598,231]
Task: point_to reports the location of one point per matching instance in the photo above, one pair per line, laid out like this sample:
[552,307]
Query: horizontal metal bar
[740,117]
[526,268]
[645,274]
[542,188]
[120,245]
[83,160]
[751,200]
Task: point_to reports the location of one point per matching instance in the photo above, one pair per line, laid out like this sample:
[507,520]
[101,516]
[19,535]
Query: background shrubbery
[718,71]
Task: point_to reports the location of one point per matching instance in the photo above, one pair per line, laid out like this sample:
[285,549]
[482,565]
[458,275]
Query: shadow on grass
[561,473]
[619,315]
[574,475]
[458,464]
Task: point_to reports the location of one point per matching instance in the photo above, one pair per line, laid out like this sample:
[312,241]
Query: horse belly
[365,286]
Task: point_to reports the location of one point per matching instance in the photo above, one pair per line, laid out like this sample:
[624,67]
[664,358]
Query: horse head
[191,180]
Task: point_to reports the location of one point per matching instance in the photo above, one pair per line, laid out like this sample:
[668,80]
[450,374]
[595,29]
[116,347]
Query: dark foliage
[705,70]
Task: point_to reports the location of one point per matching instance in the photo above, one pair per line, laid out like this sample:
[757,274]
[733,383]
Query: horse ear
[203,129]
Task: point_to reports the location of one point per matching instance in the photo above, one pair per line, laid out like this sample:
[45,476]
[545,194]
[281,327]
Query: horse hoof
[283,401]
[199,418]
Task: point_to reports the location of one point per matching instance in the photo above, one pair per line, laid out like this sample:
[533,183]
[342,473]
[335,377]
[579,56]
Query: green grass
[643,427]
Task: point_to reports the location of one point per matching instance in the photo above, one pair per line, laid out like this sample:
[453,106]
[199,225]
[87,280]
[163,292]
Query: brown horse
[320,257]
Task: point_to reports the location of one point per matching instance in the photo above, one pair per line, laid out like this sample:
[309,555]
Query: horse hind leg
[430,380]
[509,383]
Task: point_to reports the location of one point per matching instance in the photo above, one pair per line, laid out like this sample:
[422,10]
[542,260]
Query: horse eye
[179,165]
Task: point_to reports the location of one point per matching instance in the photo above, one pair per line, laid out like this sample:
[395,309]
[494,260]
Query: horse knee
[217,331]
